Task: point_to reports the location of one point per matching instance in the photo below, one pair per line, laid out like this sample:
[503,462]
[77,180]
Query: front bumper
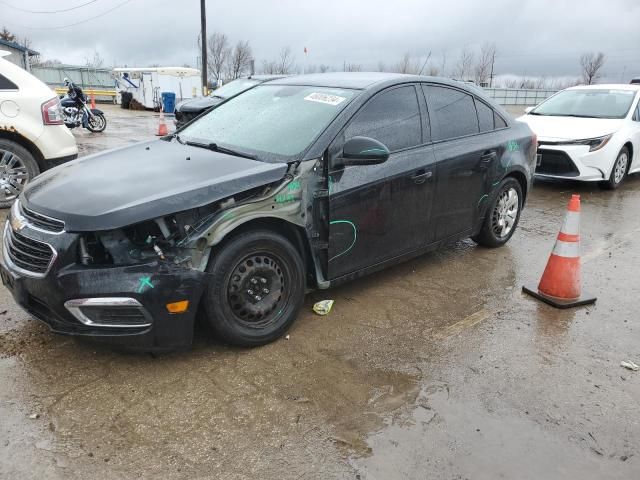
[574,162]
[150,285]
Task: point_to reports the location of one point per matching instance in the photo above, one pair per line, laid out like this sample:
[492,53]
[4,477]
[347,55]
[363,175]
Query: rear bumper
[56,141]
[52,298]
[54,162]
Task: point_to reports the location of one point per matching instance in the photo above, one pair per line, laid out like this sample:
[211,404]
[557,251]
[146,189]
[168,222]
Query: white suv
[33,136]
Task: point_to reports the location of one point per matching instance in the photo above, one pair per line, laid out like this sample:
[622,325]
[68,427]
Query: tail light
[52,112]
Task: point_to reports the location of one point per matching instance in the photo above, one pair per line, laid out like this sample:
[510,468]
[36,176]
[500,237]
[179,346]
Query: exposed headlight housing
[593,143]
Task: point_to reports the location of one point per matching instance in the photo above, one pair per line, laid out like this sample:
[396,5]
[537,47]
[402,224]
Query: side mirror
[528,109]
[364,151]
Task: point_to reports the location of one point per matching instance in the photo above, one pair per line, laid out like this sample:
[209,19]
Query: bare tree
[240,60]
[7,35]
[433,70]
[50,62]
[591,64]
[382,67]
[406,65]
[352,67]
[464,67]
[311,68]
[269,67]
[96,61]
[484,66]
[285,66]
[218,52]
[324,68]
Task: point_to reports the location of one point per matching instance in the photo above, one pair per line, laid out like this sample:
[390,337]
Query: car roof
[359,80]
[609,86]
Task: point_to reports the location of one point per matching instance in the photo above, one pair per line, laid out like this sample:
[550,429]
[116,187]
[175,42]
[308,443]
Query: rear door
[465,156]
[381,211]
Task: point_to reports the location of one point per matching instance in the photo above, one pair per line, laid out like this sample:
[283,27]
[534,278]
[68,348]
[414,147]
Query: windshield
[601,103]
[233,88]
[276,120]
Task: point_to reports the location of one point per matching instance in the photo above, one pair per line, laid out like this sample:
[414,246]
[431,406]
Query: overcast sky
[533,37]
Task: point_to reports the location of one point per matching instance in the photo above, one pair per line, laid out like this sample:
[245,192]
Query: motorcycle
[76,113]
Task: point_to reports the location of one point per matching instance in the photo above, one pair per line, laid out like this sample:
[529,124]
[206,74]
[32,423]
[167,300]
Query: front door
[381,211]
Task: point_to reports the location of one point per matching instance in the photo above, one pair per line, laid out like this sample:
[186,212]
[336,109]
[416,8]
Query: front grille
[28,254]
[42,221]
[556,163]
[115,315]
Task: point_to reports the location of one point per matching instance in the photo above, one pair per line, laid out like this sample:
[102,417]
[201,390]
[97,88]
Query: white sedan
[589,133]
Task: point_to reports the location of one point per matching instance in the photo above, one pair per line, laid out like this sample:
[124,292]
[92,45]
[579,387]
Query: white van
[33,137]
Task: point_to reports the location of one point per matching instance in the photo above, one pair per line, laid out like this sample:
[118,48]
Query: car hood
[142,181]
[570,128]
[198,104]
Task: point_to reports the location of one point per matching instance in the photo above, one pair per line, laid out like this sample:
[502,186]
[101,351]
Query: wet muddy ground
[437,368]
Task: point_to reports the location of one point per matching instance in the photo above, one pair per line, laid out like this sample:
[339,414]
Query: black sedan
[299,183]
[187,110]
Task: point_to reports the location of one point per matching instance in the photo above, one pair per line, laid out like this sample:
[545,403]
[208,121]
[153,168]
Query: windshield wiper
[217,148]
[536,113]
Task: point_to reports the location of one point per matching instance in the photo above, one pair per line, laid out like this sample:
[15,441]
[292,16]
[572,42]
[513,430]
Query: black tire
[615,180]
[101,122]
[488,236]
[13,154]
[273,271]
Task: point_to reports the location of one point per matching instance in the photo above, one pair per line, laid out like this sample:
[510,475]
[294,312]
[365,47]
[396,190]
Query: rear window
[6,84]
[485,116]
[452,112]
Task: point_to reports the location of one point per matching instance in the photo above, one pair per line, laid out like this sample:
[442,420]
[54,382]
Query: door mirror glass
[364,151]
[528,109]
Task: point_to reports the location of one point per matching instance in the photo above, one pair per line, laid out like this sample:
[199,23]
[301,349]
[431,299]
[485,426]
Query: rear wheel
[17,168]
[256,289]
[619,170]
[502,216]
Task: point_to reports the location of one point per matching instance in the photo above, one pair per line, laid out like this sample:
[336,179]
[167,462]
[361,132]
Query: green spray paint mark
[330,184]
[294,186]
[228,215]
[284,198]
[355,237]
[513,146]
[483,197]
[373,150]
[144,282]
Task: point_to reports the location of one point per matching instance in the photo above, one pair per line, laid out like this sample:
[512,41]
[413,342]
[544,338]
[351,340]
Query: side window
[391,117]
[485,116]
[453,113]
[636,115]
[499,121]
[6,84]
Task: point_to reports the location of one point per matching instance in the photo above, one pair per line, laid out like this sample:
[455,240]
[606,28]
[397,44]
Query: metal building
[20,55]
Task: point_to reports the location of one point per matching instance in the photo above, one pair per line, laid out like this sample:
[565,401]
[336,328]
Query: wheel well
[24,142]
[294,233]
[629,146]
[522,180]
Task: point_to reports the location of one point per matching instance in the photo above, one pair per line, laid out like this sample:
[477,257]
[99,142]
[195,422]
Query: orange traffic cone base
[583,299]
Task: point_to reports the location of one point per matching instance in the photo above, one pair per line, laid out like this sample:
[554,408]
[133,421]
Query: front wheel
[619,170]
[502,216]
[256,289]
[96,123]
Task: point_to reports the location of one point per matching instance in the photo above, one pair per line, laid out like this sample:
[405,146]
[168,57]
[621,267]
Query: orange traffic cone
[162,126]
[560,283]
[93,100]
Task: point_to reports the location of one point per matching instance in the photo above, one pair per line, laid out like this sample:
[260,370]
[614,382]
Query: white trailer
[148,83]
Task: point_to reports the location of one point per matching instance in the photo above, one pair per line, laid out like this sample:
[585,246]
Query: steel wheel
[620,168]
[255,289]
[13,175]
[505,213]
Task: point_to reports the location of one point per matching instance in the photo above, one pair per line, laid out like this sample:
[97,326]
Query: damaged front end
[139,285]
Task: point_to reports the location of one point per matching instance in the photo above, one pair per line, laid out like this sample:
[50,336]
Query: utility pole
[493,60]
[203,43]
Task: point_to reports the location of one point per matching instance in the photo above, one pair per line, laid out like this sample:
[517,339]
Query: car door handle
[421,176]
[488,156]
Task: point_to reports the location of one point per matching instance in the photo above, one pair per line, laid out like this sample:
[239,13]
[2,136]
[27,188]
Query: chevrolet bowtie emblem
[17,223]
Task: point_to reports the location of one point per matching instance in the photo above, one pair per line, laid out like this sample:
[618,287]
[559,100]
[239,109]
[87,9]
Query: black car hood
[140,182]
[196,105]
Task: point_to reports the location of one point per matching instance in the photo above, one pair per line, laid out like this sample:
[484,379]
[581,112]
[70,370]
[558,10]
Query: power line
[48,11]
[76,23]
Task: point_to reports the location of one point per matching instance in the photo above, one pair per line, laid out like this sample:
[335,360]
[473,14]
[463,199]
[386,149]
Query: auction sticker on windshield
[325,98]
